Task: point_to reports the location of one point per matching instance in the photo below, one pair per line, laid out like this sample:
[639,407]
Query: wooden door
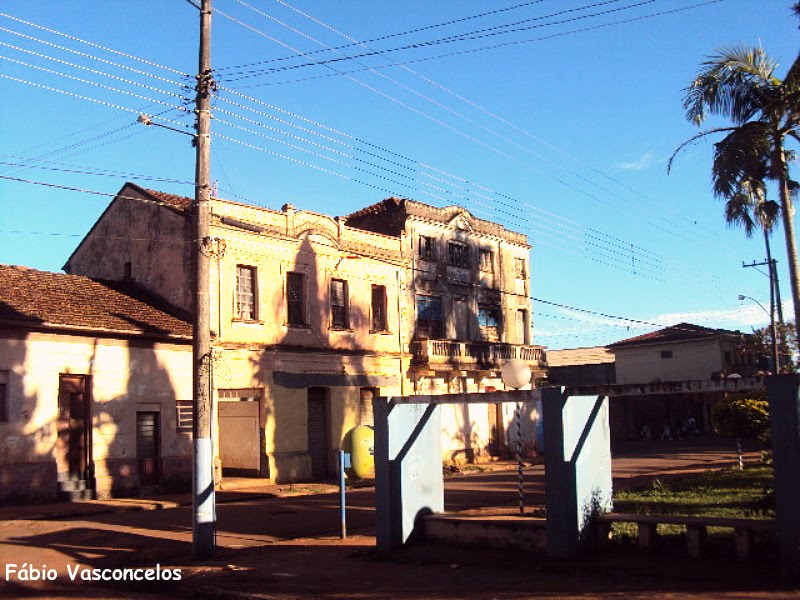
[148,445]
[461,319]
[318,431]
[73,425]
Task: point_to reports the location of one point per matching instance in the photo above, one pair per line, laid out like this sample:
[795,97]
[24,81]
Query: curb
[89,511]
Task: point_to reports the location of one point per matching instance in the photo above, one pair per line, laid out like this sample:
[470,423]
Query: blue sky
[560,129]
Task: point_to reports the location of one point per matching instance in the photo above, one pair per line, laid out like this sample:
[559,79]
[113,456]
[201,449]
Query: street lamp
[516,374]
[771,315]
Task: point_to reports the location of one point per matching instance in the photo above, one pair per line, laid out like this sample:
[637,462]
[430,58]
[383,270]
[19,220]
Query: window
[488,315]
[379,322]
[245,293]
[184,416]
[427,248]
[487,261]
[295,298]
[429,317]
[666,354]
[522,326]
[339,316]
[4,396]
[519,268]
[458,254]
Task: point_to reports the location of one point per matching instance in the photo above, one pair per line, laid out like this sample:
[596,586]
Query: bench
[743,529]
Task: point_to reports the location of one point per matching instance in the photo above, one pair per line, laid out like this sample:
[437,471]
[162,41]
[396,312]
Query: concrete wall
[125,377]
[151,237]
[690,360]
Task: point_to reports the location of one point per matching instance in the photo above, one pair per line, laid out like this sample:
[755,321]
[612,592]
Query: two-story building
[314,315]
[468,292]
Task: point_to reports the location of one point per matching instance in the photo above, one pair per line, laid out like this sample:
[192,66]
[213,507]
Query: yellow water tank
[359,443]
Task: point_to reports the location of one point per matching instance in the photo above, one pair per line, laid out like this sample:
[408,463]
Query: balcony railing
[474,354]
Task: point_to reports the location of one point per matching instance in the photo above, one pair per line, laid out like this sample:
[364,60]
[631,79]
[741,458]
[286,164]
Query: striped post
[519,459]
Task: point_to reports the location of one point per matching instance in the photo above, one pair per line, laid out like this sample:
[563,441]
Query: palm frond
[792,79]
[739,213]
[768,213]
[742,155]
[730,84]
[692,140]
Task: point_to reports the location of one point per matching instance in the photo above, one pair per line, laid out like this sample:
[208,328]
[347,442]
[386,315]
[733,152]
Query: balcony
[474,355]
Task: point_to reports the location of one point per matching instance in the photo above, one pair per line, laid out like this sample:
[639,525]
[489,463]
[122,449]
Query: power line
[446,40]
[391,35]
[92,44]
[669,232]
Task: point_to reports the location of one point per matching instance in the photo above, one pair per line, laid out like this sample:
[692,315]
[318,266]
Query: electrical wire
[93,45]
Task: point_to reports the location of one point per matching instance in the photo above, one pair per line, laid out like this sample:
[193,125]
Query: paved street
[293,535]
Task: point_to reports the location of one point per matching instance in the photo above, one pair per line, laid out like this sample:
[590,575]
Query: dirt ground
[286,547]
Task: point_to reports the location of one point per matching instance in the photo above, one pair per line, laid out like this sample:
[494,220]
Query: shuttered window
[429,317]
[295,298]
[339,313]
[246,293]
[458,254]
[184,416]
[427,248]
[4,396]
[379,322]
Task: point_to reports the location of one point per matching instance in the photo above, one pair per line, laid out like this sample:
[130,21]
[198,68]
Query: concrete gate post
[408,468]
[784,419]
[577,459]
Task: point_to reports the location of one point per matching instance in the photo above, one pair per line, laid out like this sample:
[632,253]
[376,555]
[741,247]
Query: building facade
[313,316]
[682,352]
[468,295]
[93,379]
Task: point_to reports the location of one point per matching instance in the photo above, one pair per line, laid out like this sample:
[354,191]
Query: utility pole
[203,501]
[770,262]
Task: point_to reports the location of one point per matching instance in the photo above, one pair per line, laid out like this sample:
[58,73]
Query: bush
[742,417]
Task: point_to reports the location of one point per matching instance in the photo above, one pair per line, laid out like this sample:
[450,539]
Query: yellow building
[314,315]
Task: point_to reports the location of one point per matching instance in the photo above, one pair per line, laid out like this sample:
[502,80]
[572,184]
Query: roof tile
[45,298]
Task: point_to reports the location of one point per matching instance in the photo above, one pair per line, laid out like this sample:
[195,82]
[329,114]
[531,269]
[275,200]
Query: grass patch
[727,493]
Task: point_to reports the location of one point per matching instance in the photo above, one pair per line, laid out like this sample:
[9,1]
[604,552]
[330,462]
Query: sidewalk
[232,489]
[634,464]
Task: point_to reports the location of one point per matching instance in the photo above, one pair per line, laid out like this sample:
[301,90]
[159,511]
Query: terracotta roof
[179,202]
[389,217]
[49,299]
[676,333]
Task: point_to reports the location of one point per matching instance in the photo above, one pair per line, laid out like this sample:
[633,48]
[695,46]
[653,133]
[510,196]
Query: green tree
[739,84]
[760,345]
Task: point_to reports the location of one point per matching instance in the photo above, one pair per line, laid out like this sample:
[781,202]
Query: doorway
[318,431]
[461,319]
[148,448]
[73,425]
[365,414]
[240,435]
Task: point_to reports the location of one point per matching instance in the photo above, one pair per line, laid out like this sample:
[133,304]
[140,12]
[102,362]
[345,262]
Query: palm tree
[749,208]
[739,84]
